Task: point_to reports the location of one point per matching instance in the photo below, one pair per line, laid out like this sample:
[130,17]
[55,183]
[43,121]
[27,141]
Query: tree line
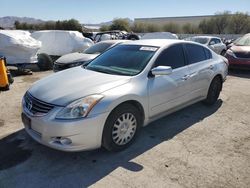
[221,23]
[71,24]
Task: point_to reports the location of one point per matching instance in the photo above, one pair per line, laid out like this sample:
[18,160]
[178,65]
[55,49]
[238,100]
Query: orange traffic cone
[4,81]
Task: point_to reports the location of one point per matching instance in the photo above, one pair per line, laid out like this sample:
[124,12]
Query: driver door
[169,91]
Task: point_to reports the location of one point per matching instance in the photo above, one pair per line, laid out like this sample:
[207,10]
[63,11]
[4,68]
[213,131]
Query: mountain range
[8,21]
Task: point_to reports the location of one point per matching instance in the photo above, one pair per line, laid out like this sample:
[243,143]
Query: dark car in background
[77,59]
[239,54]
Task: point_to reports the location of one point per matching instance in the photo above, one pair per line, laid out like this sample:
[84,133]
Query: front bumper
[63,66]
[84,134]
[238,63]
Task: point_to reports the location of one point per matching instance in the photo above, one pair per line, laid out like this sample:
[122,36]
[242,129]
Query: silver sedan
[107,102]
[214,43]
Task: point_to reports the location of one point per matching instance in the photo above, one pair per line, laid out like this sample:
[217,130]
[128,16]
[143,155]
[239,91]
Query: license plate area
[26,121]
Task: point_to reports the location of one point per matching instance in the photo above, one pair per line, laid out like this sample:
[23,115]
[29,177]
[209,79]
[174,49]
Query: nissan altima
[107,102]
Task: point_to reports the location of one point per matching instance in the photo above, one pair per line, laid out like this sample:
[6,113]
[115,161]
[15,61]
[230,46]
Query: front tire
[121,127]
[214,91]
[45,62]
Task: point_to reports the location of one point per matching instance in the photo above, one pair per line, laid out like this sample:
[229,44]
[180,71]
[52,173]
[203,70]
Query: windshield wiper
[99,69]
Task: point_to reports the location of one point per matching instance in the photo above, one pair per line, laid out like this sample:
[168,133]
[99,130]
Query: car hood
[240,48]
[75,57]
[64,87]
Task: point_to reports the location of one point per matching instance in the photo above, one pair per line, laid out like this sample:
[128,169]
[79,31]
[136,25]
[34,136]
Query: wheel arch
[136,104]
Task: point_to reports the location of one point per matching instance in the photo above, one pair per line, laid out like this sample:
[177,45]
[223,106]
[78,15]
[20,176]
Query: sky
[96,11]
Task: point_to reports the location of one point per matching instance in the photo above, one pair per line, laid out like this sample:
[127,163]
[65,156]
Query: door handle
[186,77]
[211,67]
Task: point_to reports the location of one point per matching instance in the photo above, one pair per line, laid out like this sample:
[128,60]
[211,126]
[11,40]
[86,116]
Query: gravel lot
[198,146]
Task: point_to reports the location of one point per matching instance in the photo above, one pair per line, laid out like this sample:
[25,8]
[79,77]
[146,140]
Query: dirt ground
[198,146]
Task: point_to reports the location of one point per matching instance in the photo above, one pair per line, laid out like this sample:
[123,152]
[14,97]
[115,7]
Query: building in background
[194,20]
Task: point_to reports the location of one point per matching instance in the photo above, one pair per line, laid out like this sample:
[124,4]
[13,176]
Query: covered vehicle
[18,47]
[214,43]
[159,35]
[239,54]
[77,59]
[56,43]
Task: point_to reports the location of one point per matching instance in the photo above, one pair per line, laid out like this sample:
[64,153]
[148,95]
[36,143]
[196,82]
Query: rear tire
[44,62]
[214,91]
[133,37]
[121,127]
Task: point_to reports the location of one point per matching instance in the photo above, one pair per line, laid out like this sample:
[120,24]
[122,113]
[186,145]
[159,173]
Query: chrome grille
[35,106]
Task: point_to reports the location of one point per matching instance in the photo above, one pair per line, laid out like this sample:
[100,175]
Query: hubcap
[124,129]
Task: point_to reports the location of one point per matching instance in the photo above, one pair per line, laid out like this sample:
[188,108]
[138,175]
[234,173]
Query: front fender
[116,96]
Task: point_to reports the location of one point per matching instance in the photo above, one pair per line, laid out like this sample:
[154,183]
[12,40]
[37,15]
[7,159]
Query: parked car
[159,35]
[126,87]
[115,35]
[77,59]
[239,54]
[56,43]
[214,43]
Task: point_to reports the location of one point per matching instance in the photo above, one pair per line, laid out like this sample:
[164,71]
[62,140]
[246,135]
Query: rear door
[168,91]
[200,67]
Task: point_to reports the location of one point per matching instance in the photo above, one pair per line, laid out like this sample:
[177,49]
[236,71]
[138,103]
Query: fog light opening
[62,140]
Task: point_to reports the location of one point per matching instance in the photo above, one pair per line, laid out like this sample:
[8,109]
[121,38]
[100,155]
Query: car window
[201,40]
[208,53]
[97,48]
[217,41]
[172,56]
[195,53]
[243,41]
[212,41]
[126,60]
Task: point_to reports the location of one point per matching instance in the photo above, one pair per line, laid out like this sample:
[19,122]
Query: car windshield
[244,41]
[126,60]
[200,40]
[97,48]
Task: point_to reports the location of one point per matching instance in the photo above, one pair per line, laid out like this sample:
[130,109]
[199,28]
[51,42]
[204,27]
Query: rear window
[200,40]
[195,53]
[98,48]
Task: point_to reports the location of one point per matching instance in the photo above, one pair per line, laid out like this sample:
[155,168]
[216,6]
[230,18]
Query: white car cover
[18,47]
[159,35]
[58,43]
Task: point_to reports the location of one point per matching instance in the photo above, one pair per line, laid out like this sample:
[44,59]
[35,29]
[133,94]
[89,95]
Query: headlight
[79,108]
[231,53]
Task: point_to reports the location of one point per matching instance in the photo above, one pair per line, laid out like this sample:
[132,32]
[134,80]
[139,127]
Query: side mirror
[161,70]
[212,43]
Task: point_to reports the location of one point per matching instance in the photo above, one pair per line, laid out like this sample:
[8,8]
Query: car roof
[111,41]
[209,37]
[154,42]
